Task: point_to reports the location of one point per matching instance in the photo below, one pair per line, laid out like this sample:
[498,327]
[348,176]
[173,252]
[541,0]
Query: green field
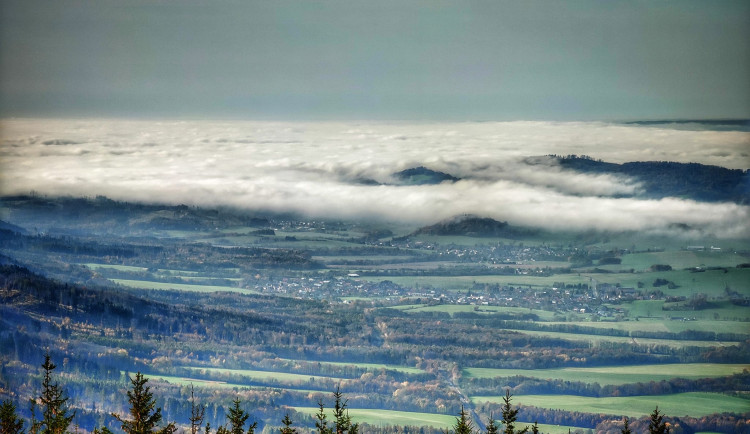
[266,375]
[369,366]
[616,374]
[145,284]
[710,282]
[390,417]
[666,325]
[454,308]
[186,381]
[210,384]
[695,404]
[595,339]
[682,259]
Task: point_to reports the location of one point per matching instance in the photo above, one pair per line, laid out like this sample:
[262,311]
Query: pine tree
[144,417]
[656,424]
[463,423]
[197,413]
[321,422]
[343,423]
[626,426]
[492,427]
[10,423]
[287,429]
[535,428]
[510,415]
[237,418]
[52,403]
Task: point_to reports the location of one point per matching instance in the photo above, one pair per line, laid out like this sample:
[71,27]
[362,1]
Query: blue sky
[355,59]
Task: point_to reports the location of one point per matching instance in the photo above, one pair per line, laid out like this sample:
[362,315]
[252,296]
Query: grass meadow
[617,374]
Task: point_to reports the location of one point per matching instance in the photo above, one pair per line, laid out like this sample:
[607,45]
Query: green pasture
[368,366]
[616,374]
[115,267]
[454,308]
[145,284]
[594,340]
[283,377]
[666,325]
[210,384]
[710,282]
[682,259]
[389,417]
[695,404]
[185,381]
[721,310]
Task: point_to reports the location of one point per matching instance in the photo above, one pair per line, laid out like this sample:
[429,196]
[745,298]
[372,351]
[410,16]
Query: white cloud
[315,167]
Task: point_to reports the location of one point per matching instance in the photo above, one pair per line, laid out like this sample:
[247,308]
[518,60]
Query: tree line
[51,414]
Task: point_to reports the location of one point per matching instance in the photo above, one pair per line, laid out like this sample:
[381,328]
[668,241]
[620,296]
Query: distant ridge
[469,225]
[718,124]
[661,179]
[423,176]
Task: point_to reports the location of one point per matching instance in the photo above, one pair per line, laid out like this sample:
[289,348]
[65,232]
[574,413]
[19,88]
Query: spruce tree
[237,418]
[626,426]
[657,425]
[144,417]
[197,413]
[10,423]
[510,415]
[463,423]
[321,422]
[343,423]
[53,404]
[287,429]
[492,427]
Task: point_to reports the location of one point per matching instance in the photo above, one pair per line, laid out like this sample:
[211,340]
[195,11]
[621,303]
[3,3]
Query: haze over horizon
[393,60]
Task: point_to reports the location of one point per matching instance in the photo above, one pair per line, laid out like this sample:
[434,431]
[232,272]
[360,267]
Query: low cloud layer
[321,168]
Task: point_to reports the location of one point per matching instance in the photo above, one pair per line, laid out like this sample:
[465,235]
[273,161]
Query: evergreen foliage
[53,404]
[626,426]
[492,427]
[10,423]
[144,418]
[197,413]
[510,415]
[463,423]
[237,418]
[287,429]
[657,425]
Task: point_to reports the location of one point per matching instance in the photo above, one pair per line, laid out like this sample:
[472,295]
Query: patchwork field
[145,284]
[391,417]
[693,404]
[616,374]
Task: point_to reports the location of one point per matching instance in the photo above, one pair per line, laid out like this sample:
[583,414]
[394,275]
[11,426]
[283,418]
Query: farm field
[369,366]
[693,404]
[681,259]
[145,284]
[665,325]
[390,417]
[284,377]
[595,339]
[616,374]
[455,308]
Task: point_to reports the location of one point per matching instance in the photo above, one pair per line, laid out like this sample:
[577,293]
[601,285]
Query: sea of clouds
[325,169]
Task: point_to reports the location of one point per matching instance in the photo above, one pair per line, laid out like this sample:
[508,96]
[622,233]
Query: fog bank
[328,169]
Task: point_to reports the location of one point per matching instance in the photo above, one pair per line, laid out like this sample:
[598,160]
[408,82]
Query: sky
[471,60]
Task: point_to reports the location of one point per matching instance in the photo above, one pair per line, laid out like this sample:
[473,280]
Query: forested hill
[474,226]
[669,179]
